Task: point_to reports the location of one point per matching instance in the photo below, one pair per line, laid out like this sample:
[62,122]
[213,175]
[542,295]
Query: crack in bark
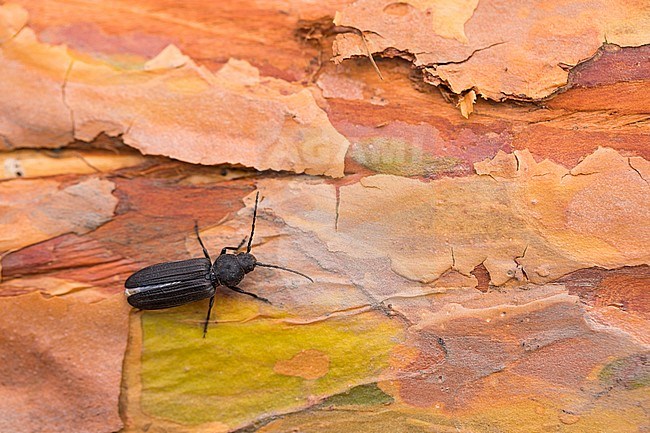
[256,424]
[522,254]
[578,174]
[641,121]
[338,204]
[517,159]
[369,54]
[411,296]
[458,62]
[490,175]
[351,311]
[629,162]
[370,186]
[568,120]
[554,118]
[523,271]
[346,312]
[15,35]
[64,97]
[374,304]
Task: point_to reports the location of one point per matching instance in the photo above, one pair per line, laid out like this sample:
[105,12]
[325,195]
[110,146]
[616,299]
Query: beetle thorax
[231,268]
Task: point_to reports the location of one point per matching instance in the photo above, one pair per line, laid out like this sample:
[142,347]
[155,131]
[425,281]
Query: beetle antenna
[250,240]
[264,265]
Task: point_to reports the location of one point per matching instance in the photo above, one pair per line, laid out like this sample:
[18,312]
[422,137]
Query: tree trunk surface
[467,184]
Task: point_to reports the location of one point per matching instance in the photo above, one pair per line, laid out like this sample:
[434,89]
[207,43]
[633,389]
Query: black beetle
[172,284]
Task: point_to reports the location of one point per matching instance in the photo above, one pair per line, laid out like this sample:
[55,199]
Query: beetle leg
[238,290]
[241,244]
[207,318]
[205,251]
[243,241]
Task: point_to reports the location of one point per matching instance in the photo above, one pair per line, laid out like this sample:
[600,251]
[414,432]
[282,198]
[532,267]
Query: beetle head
[247,261]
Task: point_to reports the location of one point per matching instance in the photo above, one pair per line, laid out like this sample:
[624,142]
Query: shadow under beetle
[172,284]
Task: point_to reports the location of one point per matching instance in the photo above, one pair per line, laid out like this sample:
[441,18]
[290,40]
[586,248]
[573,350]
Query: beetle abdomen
[169,272]
[171,284]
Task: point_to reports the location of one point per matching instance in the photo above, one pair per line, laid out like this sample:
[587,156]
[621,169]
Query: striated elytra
[171,284]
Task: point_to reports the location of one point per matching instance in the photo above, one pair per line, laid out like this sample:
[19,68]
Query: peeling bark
[477,265]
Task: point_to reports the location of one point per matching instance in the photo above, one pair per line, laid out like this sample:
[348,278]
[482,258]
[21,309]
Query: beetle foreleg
[238,290]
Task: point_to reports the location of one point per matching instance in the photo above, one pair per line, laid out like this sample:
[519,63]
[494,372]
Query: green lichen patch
[400,158]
